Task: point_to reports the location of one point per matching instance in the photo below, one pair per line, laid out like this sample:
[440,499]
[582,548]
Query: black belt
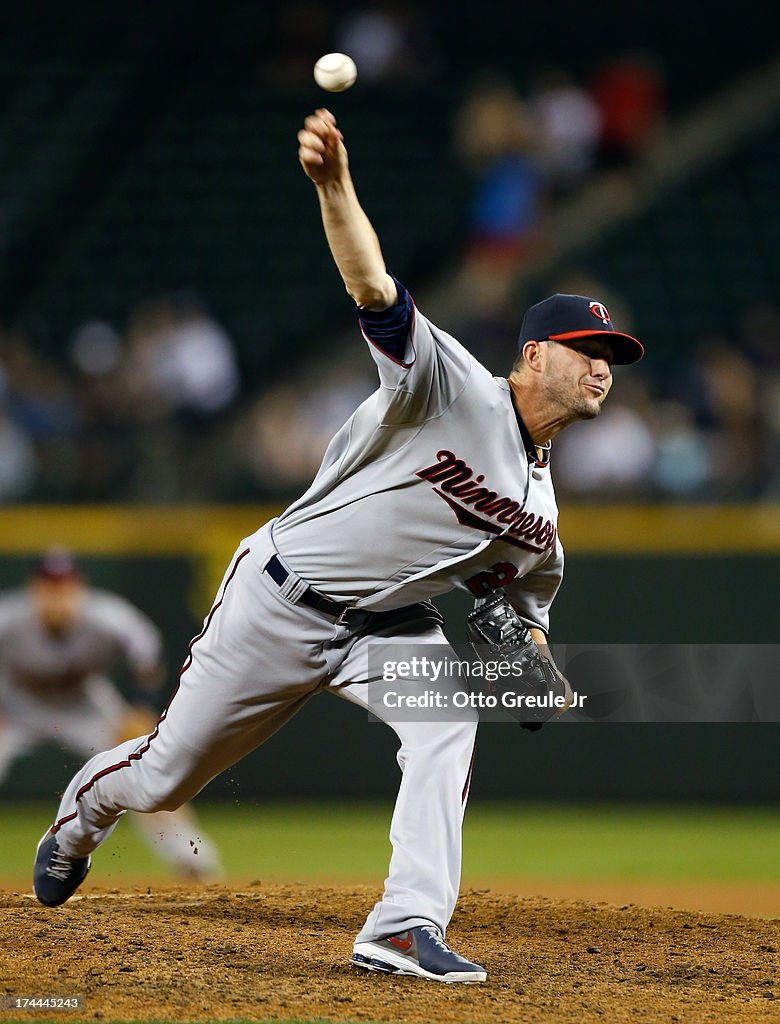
[313,599]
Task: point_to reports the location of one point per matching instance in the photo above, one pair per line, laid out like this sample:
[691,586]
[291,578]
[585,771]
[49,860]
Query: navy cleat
[57,876]
[421,952]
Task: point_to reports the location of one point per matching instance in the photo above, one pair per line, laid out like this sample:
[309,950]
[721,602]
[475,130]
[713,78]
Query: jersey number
[485,582]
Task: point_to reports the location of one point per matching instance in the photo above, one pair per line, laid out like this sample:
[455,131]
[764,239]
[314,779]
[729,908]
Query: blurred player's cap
[56,564]
[569,317]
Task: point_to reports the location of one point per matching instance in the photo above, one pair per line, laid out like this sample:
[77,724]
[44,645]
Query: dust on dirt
[279,951]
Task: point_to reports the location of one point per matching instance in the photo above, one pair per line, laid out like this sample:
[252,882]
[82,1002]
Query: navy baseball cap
[568,317]
[56,564]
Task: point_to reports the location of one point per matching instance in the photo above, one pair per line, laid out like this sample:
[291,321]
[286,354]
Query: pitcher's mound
[282,951]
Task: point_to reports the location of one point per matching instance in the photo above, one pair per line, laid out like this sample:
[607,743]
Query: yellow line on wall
[674,529]
[198,530]
[126,529]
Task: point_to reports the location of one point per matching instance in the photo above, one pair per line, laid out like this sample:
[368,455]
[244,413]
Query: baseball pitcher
[440,479]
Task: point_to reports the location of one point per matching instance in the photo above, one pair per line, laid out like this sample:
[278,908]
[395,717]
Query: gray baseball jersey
[432,484]
[52,667]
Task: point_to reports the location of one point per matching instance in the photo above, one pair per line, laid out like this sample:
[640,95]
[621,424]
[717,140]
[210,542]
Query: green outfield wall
[632,576]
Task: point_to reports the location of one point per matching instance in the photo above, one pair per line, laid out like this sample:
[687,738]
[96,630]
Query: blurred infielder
[439,479]
[58,639]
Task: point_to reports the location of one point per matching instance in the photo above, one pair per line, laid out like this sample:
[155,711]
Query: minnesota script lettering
[455,482]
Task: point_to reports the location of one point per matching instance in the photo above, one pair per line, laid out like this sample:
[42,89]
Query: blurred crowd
[526,152]
[157,410]
[127,416]
[157,414]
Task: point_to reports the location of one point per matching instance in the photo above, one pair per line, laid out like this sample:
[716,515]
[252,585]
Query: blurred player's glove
[497,634]
[135,722]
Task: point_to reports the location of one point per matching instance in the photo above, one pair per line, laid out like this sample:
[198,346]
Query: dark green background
[331,750]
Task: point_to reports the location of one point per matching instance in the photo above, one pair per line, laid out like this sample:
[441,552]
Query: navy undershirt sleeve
[388,329]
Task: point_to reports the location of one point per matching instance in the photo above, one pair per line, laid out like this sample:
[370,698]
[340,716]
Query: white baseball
[335,72]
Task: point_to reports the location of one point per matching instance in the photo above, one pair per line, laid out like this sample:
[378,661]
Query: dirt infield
[281,951]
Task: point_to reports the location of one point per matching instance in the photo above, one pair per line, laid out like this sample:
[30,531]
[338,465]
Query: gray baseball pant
[258,659]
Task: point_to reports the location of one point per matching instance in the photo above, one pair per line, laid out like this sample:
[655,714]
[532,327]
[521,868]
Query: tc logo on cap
[598,309]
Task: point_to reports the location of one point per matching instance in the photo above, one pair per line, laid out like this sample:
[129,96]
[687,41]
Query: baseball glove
[534,691]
